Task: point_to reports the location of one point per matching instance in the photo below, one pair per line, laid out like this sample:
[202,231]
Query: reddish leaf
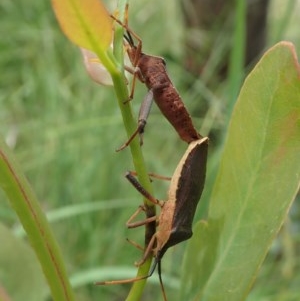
[85,22]
[95,68]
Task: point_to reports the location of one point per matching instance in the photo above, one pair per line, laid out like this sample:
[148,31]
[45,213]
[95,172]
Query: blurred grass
[64,130]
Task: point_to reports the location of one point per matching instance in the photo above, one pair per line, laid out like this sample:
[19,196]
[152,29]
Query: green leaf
[22,199]
[257,181]
[16,253]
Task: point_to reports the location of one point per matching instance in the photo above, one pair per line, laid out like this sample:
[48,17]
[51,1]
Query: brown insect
[151,70]
[177,213]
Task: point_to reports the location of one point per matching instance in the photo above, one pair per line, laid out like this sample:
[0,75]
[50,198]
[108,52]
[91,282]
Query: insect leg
[144,113]
[152,175]
[130,280]
[147,252]
[145,109]
[143,116]
[136,72]
[135,244]
[130,33]
[131,224]
[142,190]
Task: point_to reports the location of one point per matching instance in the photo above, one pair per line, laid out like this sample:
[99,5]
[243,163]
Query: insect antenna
[129,39]
[158,261]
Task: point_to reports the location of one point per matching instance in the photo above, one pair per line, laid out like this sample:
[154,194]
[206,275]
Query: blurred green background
[64,130]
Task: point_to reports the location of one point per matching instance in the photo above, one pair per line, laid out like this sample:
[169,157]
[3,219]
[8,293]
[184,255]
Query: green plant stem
[282,24]
[120,84]
[25,204]
[237,56]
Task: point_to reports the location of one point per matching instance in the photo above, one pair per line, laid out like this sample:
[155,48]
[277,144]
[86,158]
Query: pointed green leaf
[258,179]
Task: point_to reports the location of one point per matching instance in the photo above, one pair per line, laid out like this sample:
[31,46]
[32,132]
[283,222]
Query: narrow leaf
[86,23]
[258,179]
[23,201]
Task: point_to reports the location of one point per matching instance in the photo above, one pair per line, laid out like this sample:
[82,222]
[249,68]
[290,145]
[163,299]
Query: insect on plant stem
[177,212]
[151,70]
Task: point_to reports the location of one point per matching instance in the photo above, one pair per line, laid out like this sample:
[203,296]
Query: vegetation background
[64,130]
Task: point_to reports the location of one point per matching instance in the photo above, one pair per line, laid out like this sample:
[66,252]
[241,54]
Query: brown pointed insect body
[152,71]
[177,213]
